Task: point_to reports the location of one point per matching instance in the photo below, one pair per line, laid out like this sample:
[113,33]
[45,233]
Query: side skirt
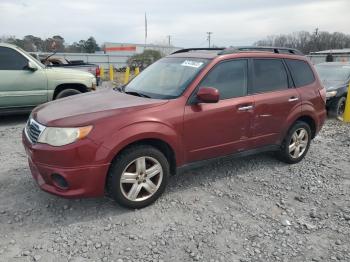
[200,163]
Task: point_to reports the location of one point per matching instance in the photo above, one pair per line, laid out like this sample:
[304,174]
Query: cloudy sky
[233,22]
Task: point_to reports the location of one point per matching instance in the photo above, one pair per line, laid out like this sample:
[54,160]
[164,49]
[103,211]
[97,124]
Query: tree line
[56,43]
[308,42]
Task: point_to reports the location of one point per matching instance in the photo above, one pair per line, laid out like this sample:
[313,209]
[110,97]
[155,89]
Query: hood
[67,72]
[84,109]
[333,84]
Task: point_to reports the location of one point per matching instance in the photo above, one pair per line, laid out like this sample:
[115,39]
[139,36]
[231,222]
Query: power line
[209,36]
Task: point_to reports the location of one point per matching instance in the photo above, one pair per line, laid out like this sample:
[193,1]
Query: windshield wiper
[136,94]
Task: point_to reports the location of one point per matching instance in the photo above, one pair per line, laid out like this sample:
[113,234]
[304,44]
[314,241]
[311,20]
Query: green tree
[90,45]
[144,59]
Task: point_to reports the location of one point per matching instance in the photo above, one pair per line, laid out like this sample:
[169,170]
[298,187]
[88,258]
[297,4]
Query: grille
[33,130]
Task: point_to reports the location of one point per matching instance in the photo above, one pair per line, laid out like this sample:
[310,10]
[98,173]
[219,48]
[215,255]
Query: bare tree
[308,42]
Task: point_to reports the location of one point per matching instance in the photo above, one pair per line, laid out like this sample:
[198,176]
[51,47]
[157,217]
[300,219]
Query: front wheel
[138,176]
[337,108]
[67,92]
[296,143]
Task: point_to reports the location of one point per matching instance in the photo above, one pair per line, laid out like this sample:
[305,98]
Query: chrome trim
[29,123]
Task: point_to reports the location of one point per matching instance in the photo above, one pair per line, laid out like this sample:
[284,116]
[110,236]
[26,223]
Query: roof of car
[210,53]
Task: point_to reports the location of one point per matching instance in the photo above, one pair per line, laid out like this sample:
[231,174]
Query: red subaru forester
[193,105]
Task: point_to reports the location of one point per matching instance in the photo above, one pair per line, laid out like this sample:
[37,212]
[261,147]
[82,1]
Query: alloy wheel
[298,143]
[141,178]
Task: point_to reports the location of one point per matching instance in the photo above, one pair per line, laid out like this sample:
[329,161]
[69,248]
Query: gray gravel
[250,209]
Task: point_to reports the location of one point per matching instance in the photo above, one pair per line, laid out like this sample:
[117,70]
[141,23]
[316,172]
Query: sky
[233,22]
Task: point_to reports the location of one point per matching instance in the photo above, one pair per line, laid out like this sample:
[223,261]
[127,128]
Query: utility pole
[209,36]
[169,40]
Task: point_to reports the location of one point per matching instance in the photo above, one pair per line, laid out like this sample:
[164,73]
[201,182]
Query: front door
[20,87]
[218,129]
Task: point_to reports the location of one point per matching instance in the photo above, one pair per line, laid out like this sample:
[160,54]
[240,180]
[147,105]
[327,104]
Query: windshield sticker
[192,63]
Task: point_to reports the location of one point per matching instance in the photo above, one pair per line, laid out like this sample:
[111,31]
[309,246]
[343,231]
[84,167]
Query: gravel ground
[249,209]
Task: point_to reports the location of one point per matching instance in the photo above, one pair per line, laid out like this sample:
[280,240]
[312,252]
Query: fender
[145,130]
[307,111]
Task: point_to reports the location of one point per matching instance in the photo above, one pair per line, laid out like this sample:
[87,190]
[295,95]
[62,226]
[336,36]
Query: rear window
[269,75]
[301,72]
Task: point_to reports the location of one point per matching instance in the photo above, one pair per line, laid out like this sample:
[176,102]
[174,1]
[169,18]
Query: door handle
[293,98]
[245,108]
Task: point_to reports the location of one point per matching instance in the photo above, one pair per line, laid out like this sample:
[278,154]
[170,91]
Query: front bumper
[83,179]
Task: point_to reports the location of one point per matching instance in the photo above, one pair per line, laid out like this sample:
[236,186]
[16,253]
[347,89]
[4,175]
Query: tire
[136,191]
[337,108]
[67,92]
[301,141]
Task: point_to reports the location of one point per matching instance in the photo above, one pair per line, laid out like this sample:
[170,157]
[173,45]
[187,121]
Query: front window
[334,72]
[167,78]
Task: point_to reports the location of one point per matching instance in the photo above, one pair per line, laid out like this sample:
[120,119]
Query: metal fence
[104,60]
[316,59]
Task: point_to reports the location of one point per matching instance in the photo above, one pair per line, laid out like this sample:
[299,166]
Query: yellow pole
[137,71]
[346,116]
[111,73]
[102,72]
[127,75]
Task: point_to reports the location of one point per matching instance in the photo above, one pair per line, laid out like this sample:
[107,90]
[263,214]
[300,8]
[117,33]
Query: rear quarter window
[301,72]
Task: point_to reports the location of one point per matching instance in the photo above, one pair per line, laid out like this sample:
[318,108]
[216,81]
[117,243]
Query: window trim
[290,71]
[19,53]
[290,83]
[192,99]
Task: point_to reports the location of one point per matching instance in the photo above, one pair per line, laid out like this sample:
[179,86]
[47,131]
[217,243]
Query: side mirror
[208,95]
[31,66]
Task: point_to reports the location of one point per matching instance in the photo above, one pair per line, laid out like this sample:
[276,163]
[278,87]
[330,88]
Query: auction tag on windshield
[192,63]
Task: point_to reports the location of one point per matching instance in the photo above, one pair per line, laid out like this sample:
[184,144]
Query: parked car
[335,76]
[188,108]
[72,64]
[26,83]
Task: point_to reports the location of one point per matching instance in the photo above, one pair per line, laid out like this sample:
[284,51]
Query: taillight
[323,94]
[98,71]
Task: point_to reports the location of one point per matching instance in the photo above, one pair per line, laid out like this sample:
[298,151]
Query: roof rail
[185,50]
[277,50]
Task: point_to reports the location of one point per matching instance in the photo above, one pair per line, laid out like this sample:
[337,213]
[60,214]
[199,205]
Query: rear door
[217,129]
[275,100]
[20,87]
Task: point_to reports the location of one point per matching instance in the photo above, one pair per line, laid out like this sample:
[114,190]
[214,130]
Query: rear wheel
[296,143]
[67,92]
[138,176]
[337,108]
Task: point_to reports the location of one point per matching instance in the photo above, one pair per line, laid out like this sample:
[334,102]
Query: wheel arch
[310,121]
[80,87]
[159,144]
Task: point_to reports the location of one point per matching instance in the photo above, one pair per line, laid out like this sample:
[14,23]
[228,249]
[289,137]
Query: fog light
[59,181]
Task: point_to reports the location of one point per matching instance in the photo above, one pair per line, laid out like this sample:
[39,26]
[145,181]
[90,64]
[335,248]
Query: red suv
[193,105]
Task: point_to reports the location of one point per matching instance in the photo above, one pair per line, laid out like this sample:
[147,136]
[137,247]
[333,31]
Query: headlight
[56,136]
[331,94]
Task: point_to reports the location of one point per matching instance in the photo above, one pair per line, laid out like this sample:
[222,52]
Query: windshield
[333,73]
[167,78]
